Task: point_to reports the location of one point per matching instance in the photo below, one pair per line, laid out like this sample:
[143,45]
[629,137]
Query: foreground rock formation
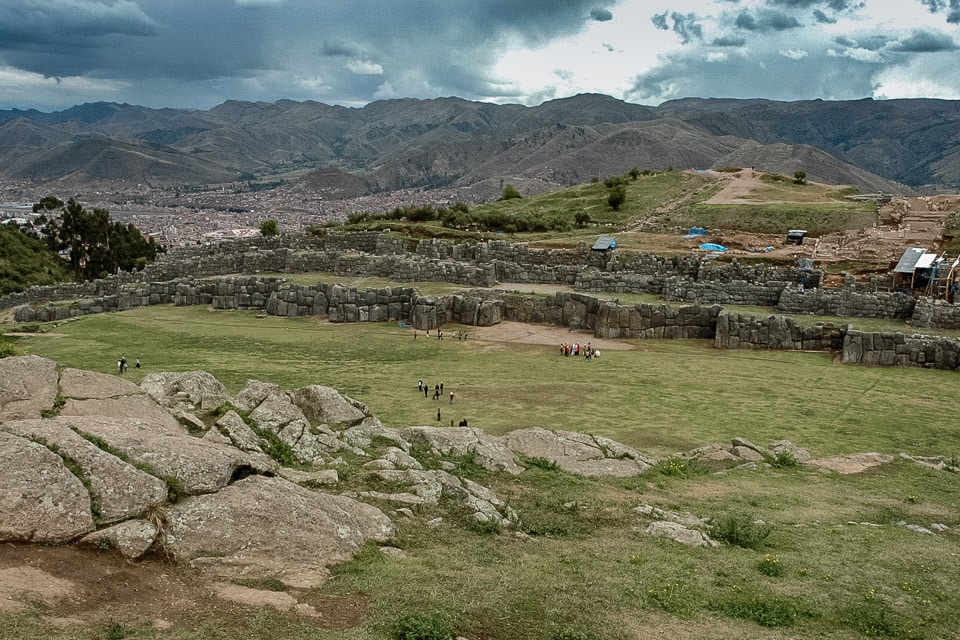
[246,485]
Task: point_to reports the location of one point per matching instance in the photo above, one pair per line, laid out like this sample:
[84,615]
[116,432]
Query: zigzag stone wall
[603,319]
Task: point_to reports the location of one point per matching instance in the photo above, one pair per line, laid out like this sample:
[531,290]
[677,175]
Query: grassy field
[584,570]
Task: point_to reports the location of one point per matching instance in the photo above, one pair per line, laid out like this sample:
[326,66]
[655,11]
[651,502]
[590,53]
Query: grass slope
[25,262]
[585,570]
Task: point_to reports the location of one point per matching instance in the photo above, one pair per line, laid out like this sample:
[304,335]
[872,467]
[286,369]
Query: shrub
[421,626]
[510,193]
[765,611]
[677,468]
[673,597]
[873,618]
[740,529]
[573,633]
[541,463]
[771,566]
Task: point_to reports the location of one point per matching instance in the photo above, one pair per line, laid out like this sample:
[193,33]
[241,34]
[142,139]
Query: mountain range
[900,146]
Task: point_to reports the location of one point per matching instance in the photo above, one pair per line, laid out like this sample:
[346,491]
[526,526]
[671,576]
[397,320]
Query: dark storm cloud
[684,25]
[600,15]
[925,42]
[834,5]
[823,18]
[764,21]
[729,41]
[952,8]
[77,22]
[868,42]
[264,49]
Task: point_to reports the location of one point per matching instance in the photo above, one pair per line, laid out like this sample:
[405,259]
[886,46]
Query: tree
[800,177]
[510,193]
[582,218]
[269,228]
[618,195]
[634,173]
[95,245]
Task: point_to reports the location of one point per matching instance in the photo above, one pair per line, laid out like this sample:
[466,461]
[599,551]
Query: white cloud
[793,54]
[364,68]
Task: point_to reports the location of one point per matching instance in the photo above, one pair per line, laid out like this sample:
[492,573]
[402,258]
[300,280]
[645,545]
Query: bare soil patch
[518,332]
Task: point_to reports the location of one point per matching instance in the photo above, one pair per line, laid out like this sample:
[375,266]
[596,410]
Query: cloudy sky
[198,53]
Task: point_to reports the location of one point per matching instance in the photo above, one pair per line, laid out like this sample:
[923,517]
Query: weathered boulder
[787,448]
[326,405]
[254,392]
[262,527]
[679,533]
[83,385]
[121,490]
[490,452]
[197,466]
[428,486]
[686,518]
[135,407]
[243,437]
[132,538]
[199,388]
[28,387]
[41,501]
[275,412]
[579,453]
[362,435]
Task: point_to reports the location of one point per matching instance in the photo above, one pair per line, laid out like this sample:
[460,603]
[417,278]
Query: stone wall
[656,321]
[738,331]
[730,292]
[604,319]
[846,302]
[900,350]
[929,313]
[687,279]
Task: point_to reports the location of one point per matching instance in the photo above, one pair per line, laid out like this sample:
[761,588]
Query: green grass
[588,570]
[660,396]
[817,219]
[26,261]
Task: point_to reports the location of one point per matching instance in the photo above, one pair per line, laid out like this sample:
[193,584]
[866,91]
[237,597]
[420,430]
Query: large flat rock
[271,528]
[326,405]
[28,387]
[490,452]
[122,490]
[199,388]
[41,500]
[579,453]
[199,466]
[139,407]
[83,385]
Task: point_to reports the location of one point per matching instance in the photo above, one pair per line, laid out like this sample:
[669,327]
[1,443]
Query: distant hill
[893,146]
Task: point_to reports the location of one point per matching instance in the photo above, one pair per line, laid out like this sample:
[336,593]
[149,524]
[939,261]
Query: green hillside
[26,261]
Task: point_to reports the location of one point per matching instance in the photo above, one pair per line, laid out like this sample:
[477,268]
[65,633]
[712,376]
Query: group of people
[577,349]
[461,336]
[437,394]
[122,365]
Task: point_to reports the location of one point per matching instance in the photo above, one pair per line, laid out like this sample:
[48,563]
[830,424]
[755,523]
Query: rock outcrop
[270,527]
[28,387]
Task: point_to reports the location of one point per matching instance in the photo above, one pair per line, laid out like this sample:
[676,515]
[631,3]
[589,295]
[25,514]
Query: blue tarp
[709,246]
[695,231]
